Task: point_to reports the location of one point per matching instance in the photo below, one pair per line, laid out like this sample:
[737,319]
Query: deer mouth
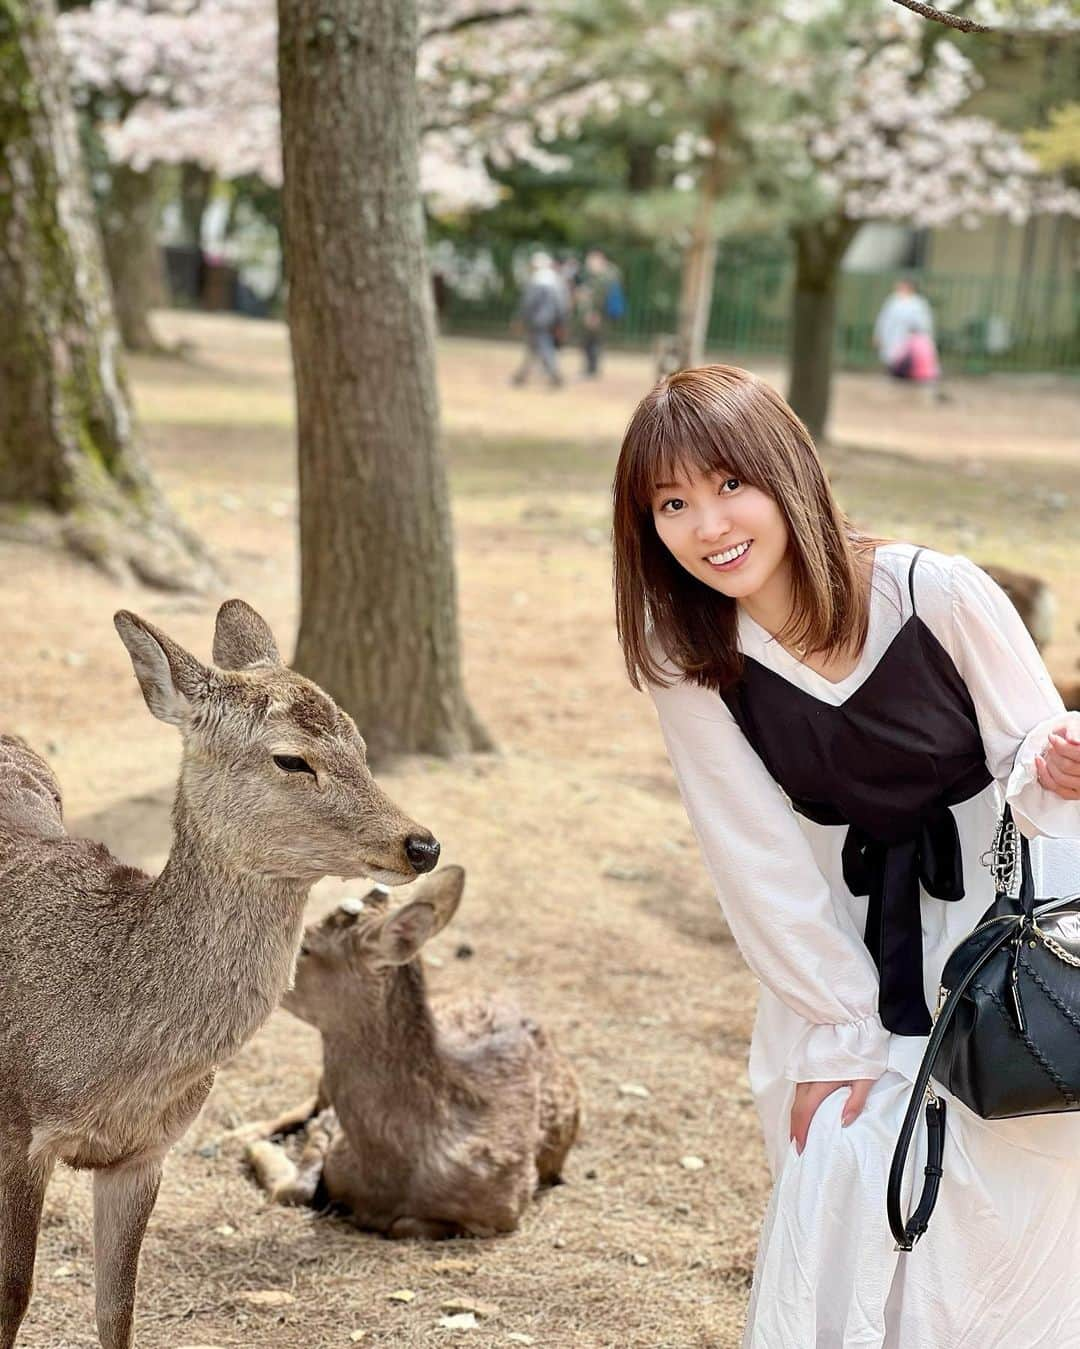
[383,875]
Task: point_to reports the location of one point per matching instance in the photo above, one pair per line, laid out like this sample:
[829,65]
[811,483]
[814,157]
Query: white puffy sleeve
[1015,700]
[801,944]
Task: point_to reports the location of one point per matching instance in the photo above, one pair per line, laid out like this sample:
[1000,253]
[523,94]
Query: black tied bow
[890,874]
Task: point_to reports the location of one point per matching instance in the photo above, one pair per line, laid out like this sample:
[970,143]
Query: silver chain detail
[1056,947]
[1002,858]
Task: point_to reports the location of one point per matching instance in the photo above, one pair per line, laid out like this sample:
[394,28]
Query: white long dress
[1000,1265]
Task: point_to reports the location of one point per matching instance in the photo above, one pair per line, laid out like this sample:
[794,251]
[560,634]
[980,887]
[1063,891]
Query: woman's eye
[672,505]
[731,484]
[292,763]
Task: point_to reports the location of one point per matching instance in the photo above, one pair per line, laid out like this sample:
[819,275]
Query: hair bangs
[670,440]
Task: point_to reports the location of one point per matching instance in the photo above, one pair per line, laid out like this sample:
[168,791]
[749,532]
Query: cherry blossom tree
[812,118]
[883,136]
[196,81]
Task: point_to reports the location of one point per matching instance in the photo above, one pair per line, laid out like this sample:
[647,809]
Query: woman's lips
[734,563]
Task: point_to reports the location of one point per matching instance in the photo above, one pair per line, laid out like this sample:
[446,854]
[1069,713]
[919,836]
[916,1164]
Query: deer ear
[405,931]
[242,638]
[171,679]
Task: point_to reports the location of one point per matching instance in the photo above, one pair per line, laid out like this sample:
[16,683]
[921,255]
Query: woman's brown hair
[720,419]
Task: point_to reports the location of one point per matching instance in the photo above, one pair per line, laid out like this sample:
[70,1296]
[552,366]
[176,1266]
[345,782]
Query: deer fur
[1033,600]
[424,1125]
[119,993]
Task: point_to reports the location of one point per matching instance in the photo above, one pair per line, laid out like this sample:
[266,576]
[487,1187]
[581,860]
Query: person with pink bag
[904,336]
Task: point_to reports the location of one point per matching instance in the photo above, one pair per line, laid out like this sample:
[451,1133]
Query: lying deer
[119,994]
[437,1126]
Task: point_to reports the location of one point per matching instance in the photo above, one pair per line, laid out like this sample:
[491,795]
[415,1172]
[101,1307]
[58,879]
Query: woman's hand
[809,1095]
[1058,769]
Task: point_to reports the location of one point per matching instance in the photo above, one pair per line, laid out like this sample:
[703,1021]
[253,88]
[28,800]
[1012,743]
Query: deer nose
[422,851]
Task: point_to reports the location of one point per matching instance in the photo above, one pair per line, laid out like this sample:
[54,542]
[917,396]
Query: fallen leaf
[401,1295]
[639,1259]
[357,1336]
[633,1089]
[466,1321]
[453,1305]
[267,1297]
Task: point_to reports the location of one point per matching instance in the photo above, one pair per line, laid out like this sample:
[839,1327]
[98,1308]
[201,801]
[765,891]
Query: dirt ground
[585,894]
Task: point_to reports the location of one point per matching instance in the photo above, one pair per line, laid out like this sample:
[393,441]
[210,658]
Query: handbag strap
[907,1233]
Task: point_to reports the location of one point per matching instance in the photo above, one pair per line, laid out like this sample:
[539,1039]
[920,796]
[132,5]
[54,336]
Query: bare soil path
[585,894]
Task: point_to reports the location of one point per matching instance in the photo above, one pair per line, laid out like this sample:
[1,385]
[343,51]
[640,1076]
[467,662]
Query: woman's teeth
[730,554]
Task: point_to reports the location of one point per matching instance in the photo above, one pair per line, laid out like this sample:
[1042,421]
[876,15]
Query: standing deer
[120,994]
[436,1127]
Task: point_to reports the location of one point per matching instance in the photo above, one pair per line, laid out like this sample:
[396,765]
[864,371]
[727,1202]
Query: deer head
[350,959]
[274,778]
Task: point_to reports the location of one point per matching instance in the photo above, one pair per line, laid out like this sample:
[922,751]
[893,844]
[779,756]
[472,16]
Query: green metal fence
[983,323]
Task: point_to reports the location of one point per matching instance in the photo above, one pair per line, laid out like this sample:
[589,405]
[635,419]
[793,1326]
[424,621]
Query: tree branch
[472,20]
[940,16]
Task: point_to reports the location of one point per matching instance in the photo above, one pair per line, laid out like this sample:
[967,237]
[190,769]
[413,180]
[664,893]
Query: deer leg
[22,1192]
[292,1121]
[288,1182]
[123,1201]
[283,1125]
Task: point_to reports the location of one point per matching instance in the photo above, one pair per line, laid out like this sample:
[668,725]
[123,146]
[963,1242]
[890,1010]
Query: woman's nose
[712,524]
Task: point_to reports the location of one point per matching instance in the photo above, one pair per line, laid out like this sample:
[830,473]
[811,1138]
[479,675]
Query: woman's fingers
[856,1100]
[809,1095]
[1064,756]
[1053,781]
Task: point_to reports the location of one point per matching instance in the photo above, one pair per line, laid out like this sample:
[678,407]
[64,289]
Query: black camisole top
[888,762]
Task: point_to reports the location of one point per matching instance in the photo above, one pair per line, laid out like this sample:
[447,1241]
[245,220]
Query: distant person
[542,313]
[598,300]
[904,336]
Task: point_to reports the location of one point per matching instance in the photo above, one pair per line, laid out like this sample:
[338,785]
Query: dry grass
[636,976]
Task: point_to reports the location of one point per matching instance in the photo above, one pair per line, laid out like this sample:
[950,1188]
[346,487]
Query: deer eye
[292,763]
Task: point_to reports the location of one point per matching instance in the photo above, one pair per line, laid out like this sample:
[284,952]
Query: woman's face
[726,533]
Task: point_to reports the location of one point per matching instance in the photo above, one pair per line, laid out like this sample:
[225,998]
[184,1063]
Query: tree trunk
[378,626]
[129,224]
[699,260]
[819,250]
[66,445]
[196,185]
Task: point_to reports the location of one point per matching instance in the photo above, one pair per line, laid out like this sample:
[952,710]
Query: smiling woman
[845,717]
[714,459]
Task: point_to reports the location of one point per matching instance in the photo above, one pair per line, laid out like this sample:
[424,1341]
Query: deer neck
[225,939]
[389,1063]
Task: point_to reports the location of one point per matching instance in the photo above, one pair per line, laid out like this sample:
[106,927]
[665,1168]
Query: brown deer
[120,994]
[1032,598]
[424,1125]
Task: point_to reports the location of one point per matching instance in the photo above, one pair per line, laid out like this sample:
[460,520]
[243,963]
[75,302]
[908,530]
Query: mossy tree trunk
[378,626]
[68,460]
[129,223]
[819,251]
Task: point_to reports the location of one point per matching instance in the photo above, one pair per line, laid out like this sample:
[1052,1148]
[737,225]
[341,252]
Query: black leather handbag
[1006,1035]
